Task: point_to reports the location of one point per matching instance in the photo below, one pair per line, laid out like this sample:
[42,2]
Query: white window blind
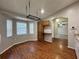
[31,28]
[21,28]
[9,28]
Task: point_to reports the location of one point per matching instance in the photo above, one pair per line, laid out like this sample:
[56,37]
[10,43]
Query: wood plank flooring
[40,50]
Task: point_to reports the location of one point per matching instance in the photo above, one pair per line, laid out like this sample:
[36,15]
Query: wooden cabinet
[41,25]
[45,23]
[40,31]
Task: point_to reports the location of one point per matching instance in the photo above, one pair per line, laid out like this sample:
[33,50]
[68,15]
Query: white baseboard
[24,41]
[6,49]
[16,44]
[71,47]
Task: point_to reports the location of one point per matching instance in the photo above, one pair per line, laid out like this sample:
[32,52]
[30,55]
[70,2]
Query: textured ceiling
[50,6]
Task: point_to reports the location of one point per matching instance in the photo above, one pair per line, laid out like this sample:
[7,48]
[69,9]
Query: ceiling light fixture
[30,16]
[42,11]
[57,20]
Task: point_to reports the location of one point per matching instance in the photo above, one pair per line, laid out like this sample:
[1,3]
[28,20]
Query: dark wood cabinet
[41,25]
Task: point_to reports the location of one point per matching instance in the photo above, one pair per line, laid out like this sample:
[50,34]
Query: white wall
[7,42]
[52,27]
[72,12]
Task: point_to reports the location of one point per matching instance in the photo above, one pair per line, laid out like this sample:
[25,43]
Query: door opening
[61,28]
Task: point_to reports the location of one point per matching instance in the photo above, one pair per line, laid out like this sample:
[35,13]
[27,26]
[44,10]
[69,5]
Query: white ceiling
[50,6]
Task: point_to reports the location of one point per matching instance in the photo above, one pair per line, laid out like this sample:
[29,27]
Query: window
[21,28]
[31,28]
[9,28]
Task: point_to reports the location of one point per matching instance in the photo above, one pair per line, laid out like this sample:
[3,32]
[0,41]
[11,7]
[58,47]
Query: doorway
[61,28]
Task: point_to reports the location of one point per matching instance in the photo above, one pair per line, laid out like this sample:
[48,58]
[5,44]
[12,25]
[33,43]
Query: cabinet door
[40,31]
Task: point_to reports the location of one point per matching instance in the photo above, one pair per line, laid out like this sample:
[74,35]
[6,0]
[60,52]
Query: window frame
[26,28]
[8,36]
[33,28]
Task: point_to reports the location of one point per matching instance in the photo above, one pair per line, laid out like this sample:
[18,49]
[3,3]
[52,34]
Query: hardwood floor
[40,50]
